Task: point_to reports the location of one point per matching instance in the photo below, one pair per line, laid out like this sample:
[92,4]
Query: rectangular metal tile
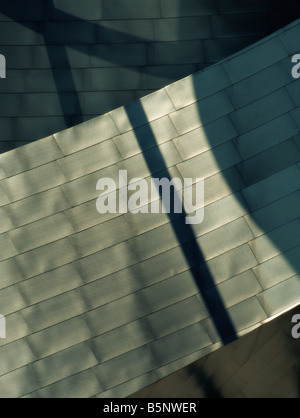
[234,290]
[174,346]
[116,314]
[10,273]
[224,239]
[133,54]
[69,33]
[231,208]
[243,316]
[281,296]
[33,181]
[2,173]
[262,111]
[89,160]
[129,365]
[39,81]
[222,184]
[275,214]
[15,355]
[217,50]
[118,9]
[130,387]
[16,328]
[161,267]
[297,140]
[170,8]
[86,134]
[32,104]
[24,126]
[201,113]
[95,266]
[41,232]
[154,242]
[46,258]
[61,9]
[133,335]
[158,76]
[50,284]
[176,317]
[111,288]
[144,222]
[17,33]
[33,155]
[53,311]
[210,162]
[211,244]
[272,188]
[81,385]
[101,236]
[39,12]
[36,81]
[18,383]
[224,266]
[134,278]
[151,162]
[12,300]
[86,216]
[64,364]
[125,31]
[117,78]
[266,136]
[279,268]
[259,85]
[289,39]
[205,138]
[154,106]
[140,139]
[295,116]
[168,53]
[198,86]
[25,211]
[84,190]
[95,104]
[254,59]
[237,24]
[279,240]
[171,291]
[268,162]
[16,81]
[195,27]
[7,246]
[6,223]
[293,90]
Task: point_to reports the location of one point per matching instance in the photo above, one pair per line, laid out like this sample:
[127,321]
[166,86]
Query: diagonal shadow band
[9,9]
[185,236]
[73,97]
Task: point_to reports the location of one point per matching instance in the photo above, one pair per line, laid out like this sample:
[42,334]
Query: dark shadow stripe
[185,235]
